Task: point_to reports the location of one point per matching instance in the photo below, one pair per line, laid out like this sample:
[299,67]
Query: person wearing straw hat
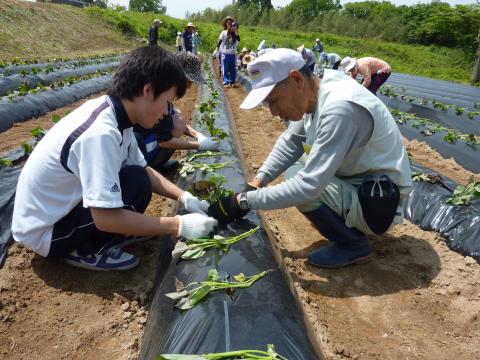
[243,63]
[308,56]
[374,71]
[341,141]
[188,37]
[159,144]
[153,32]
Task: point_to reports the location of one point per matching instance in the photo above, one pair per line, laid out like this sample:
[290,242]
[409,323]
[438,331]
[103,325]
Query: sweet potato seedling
[196,248]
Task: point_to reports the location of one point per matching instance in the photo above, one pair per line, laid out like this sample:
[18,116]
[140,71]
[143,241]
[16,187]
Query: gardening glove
[227,210]
[208,144]
[200,136]
[193,204]
[193,226]
[215,53]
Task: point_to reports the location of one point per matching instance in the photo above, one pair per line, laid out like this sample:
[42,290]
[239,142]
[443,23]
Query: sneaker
[110,259]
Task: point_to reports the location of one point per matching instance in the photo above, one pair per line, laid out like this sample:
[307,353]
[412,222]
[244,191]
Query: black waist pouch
[379,198]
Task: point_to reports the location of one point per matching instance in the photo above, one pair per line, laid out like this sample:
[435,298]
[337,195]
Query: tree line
[436,23]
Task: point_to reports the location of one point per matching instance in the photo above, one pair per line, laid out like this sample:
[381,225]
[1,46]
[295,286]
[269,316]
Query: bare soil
[415,299]
[49,310]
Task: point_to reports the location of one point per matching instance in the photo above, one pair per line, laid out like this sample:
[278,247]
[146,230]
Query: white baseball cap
[268,70]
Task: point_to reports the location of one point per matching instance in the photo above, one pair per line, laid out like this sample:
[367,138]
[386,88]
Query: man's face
[286,100]
[152,110]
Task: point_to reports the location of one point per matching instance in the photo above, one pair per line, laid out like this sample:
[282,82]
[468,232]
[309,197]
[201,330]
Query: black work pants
[76,230]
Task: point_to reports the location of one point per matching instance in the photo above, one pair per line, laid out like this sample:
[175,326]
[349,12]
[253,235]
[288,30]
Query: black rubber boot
[347,245]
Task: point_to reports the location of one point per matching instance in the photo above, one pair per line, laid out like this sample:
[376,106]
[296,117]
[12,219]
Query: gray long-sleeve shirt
[344,126]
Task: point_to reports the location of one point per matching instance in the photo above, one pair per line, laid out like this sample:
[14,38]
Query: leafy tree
[148,6]
[310,9]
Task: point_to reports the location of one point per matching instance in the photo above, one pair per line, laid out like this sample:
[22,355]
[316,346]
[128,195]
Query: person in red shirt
[374,71]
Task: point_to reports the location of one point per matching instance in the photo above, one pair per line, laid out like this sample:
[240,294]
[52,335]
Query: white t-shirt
[229,43]
[79,159]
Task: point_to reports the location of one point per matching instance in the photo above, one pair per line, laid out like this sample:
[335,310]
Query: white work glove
[200,136]
[208,144]
[215,53]
[193,226]
[193,204]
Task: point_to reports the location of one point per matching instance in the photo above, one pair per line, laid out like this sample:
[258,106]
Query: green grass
[31,30]
[43,31]
[434,62]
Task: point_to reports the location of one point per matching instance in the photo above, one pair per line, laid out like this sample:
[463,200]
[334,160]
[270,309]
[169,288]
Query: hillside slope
[37,31]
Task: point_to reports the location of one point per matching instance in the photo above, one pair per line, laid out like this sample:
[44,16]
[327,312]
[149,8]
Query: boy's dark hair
[149,64]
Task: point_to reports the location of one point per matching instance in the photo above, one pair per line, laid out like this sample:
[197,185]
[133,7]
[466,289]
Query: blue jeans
[229,68]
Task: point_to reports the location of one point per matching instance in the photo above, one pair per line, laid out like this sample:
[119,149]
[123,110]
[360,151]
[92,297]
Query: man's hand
[227,209]
[193,204]
[193,226]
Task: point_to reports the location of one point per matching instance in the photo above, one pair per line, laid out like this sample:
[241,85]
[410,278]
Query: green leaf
[193,254]
[200,293]
[177,295]
[213,275]
[55,118]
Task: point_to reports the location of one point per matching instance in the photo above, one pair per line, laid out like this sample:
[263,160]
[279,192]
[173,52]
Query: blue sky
[177,8]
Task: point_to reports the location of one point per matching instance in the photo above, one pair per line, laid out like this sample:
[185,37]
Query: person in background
[374,71]
[226,23]
[227,43]
[188,37]
[333,60]
[318,46]
[196,41]
[340,139]
[153,32]
[178,42]
[159,143]
[308,56]
[244,52]
[86,184]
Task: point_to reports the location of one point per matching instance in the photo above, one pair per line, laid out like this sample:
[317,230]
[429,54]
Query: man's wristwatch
[243,201]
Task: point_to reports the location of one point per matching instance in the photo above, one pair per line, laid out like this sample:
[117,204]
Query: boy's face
[152,110]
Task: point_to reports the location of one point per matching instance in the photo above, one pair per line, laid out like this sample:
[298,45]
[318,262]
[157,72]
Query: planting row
[25,68]
[471,110]
[37,102]
[19,85]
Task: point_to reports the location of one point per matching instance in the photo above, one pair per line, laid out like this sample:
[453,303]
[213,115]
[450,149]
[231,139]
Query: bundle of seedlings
[212,189]
[190,167]
[196,248]
[270,354]
[190,295]
[197,155]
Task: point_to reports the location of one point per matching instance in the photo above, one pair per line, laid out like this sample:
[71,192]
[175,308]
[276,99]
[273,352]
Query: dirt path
[49,310]
[415,300]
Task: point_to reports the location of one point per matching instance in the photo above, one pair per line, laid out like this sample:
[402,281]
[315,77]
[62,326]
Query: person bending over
[374,71]
[346,167]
